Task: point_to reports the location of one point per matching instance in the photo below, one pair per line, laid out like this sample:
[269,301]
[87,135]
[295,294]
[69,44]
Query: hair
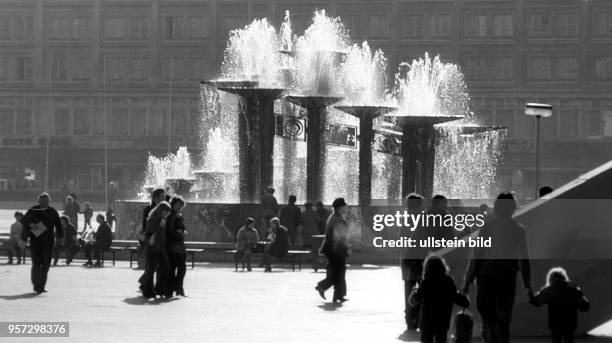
[434,265]
[292,199]
[66,218]
[44,195]
[275,220]
[248,221]
[18,213]
[544,190]
[556,275]
[270,190]
[320,203]
[439,201]
[414,201]
[70,198]
[100,216]
[308,204]
[338,202]
[505,204]
[175,199]
[162,206]
[156,193]
[86,203]
[483,207]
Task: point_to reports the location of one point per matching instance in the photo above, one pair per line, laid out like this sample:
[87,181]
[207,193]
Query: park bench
[192,248]
[295,257]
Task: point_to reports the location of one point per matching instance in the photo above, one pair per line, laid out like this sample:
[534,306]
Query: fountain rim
[475,129]
[425,120]
[380,109]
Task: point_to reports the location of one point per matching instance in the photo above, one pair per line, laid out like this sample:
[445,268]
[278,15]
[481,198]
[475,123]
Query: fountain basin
[180,187]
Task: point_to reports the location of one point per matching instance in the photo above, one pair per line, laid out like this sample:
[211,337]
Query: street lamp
[538,111]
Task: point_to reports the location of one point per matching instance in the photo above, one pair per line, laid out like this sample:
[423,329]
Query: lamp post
[538,111]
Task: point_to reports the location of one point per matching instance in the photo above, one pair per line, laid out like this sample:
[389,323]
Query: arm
[58,225]
[145,214]
[583,303]
[540,298]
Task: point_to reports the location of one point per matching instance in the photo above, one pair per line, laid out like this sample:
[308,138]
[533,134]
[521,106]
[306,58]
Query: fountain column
[316,126]
[418,152]
[366,115]
[255,137]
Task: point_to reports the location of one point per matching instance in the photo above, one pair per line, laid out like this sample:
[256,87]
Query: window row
[84,121]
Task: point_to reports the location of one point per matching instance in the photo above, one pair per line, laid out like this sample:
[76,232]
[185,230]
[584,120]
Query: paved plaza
[103,305]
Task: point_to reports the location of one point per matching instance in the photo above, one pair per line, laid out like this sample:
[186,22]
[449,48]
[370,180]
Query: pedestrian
[87,215]
[435,294]
[322,216]
[246,242]
[336,248]
[175,247]
[309,225]
[564,299]
[157,257]
[157,196]
[291,216]
[103,238]
[72,209]
[495,269]
[269,205]
[41,224]
[279,246]
[70,246]
[15,245]
[412,264]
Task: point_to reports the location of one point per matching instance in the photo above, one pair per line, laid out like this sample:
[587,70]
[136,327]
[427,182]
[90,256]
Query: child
[564,299]
[246,242]
[436,294]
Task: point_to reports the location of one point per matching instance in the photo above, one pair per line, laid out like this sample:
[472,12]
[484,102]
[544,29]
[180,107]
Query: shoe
[181,293]
[87,264]
[268,270]
[97,265]
[342,299]
[18,262]
[249,269]
[321,292]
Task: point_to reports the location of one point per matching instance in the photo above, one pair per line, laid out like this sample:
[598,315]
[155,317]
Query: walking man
[38,225]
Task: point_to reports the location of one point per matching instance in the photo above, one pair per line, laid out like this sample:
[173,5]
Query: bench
[295,257]
[190,251]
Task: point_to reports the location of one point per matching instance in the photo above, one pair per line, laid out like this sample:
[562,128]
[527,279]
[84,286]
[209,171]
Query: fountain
[216,176]
[172,172]
[363,80]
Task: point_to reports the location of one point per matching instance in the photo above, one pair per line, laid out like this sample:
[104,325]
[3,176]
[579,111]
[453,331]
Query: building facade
[71,70]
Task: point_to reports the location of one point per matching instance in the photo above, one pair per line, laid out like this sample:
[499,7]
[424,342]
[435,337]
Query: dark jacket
[145,216]
[322,216]
[47,216]
[290,216]
[175,234]
[269,205]
[309,226]
[507,255]
[70,233]
[280,243]
[436,295]
[564,299]
[156,226]
[336,237]
[104,236]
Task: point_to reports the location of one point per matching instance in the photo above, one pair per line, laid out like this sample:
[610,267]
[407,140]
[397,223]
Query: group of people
[430,292]
[284,227]
[162,239]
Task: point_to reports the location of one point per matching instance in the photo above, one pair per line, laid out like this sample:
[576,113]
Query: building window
[592,122]
[503,25]
[603,68]
[544,68]
[24,122]
[16,28]
[567,24]
[378,26]
[602,23]
[185,27]
[475,25]
[139,68]
[354,24]
[133,28]
[476,68]
[82,121]
[566,68]
[503,68]
[540,68]
[439,25]
[119,122]
[187,68]
[98,122]
[71,67]
[70,28]
[138,122]
[7,122]
[568,124]
[61,122]
[412,25]
[127,68]
[23,69]
[540,24]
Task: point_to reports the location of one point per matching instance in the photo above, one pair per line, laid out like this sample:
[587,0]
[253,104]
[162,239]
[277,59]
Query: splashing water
[220,156]
[363,77]
[252,54]
[429,87]
[318,53]
[172,166]
[466,164]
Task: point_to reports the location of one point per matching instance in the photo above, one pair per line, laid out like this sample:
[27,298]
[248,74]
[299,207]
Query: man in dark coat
[322,215]
[291,217]
[336,248]
[38,224]
[158,195]
[269,205]
[495,269]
